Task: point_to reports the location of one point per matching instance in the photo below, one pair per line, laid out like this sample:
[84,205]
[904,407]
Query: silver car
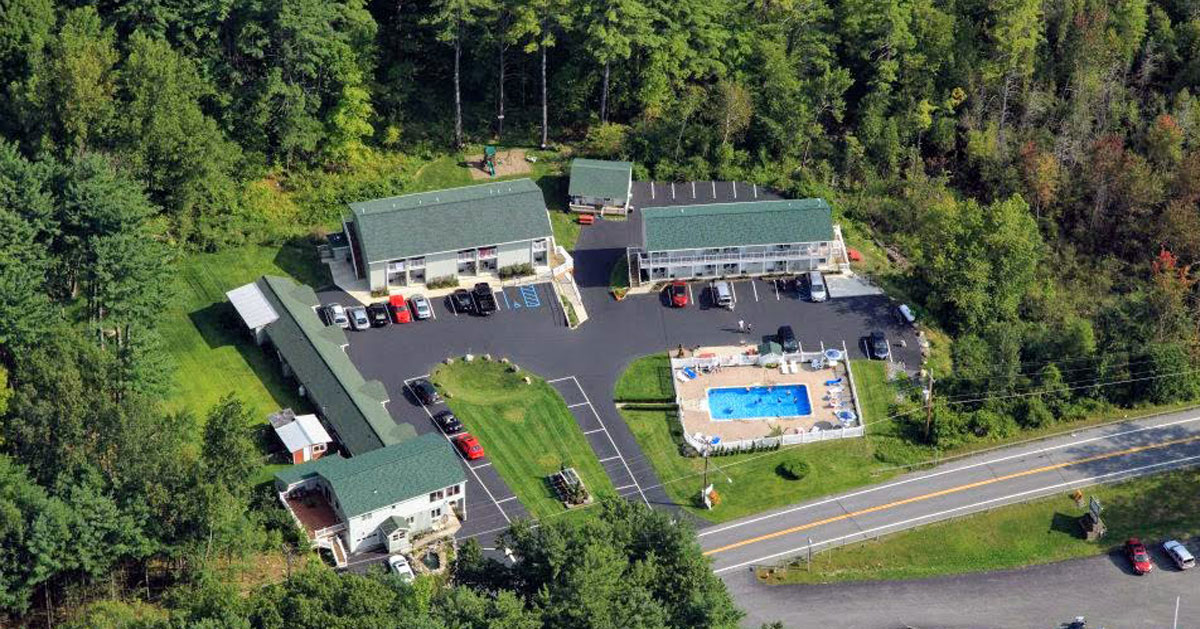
[1179,554]
[358,318]
[336,314]
[399,565]
[421,308]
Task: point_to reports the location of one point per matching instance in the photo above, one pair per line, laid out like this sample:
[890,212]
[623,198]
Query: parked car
[335,314]
[399,565]
[460,301]
[1179,554]
[379,314]
[469,446]
[420,307]
[679,293]
[425,392]
[358,318]
[816,286]
[399,308]
[1135,550]
[787,339]
[879,345]
[722,295]
[485,301]
[448,422]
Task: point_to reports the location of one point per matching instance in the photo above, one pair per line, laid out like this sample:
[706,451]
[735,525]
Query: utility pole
[929,406]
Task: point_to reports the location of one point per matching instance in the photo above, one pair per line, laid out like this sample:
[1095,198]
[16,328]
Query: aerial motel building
[750,238]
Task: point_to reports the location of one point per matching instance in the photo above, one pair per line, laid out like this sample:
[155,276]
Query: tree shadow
[298,258]
[219,325]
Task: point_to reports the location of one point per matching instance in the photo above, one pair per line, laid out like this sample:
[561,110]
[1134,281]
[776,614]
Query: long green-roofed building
[465,234]
[747,238]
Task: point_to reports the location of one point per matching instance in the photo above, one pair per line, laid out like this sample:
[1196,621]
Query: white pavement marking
[588,432]
[558,380]
[611,458]
[733,289]
[505,296]
[624,487]
[453,308]
[754,287]
[691,300]
[610,439]
[579,404]
[1082,482]
[432,311]
[506,499]
[451,442]
[775,285]
[943,473]
[481,465]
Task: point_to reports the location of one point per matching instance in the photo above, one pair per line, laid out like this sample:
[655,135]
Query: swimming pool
[782,400]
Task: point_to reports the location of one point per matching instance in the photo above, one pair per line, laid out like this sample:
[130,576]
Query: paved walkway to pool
[693,395]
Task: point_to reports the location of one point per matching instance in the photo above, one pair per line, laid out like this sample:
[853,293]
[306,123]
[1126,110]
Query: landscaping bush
[442,282]
[792,470]
[515,270]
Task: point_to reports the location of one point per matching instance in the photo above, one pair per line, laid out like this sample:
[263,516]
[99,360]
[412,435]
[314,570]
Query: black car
[448,422]
[378,314]
[460,301]
[485,301]
[425,392]
[787,339]
[879,345]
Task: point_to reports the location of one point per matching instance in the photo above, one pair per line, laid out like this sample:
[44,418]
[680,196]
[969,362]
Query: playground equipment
[489,160]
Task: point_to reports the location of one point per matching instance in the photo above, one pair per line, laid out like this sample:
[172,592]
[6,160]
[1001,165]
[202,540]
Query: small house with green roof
[746,238]
[600,186]
[446,236]
[382,498]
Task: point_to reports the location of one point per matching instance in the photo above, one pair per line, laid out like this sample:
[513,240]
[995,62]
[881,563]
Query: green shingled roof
[736,224]
[351,405]
[449,220]
[600,179]
[383,477]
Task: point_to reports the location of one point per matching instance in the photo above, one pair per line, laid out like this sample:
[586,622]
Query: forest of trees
[1032,167]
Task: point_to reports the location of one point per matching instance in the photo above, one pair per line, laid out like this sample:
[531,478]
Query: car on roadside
[399,565]
[469,446]
[679,293]
[786,338]
[358,318]
[447,422]
[460,301]
[1179,554]
[335,314]
[425,392]
[399,308]
[1139,559]
[379,314]
[878,344]
[420,307]
[485,300]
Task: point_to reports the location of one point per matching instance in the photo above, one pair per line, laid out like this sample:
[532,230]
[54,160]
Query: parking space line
[611,441]
[579,404]
[588,432]
[433,311]
[506,499]
[452,447]
[775,285]
[453,308]
[624,487]
[733,289]
[505,296]
[557,380]
[754,288]
[481,465]
[611,458]
[691,299]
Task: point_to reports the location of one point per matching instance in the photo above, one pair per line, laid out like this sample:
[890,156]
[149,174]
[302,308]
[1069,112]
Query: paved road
[980,482]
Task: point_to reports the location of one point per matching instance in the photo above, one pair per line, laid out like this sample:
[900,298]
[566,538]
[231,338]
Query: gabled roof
[305,430]
[351,405]
[252,305]
[383,477]
[450,220]
[601,179]
[736,224]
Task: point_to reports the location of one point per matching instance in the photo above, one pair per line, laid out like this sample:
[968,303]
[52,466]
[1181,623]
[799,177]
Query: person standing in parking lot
[741,326]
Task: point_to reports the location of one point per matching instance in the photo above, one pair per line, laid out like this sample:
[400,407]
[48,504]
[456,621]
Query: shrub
[792,470]
[442,282]
[515,270]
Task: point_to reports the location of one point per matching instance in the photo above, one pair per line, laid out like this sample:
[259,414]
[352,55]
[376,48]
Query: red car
[679,294]
[400,312]
[469,446]
[1138,557]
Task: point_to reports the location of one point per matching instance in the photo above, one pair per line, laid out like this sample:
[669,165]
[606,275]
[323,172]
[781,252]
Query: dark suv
[485,301]
[460,301]
[425,392]
[787,339]
[879,345]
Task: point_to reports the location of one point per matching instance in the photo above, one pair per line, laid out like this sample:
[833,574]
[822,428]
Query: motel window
[435,496]
[453,491]
[417,263]
[436,513]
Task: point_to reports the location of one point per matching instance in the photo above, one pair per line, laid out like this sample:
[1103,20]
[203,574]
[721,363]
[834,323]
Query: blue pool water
[786,400]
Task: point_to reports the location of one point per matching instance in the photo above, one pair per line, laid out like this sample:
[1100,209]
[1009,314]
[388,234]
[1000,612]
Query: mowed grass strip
[1153,508]
[526,430]
[647,379]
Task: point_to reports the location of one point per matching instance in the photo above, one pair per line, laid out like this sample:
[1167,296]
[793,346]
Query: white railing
[647,259]
[738,360]
[770,442]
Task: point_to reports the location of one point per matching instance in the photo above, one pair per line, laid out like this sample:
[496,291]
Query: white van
[816,286]
[722,295]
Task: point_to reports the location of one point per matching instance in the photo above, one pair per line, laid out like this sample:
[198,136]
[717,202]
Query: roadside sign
[1094,507]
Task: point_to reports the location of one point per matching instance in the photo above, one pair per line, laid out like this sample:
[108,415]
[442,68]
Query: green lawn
[618,278]
[1153,508]
[526,430]
[647,379]
[213,352]
[566,229]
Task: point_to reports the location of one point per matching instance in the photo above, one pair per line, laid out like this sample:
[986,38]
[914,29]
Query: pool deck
[693,396]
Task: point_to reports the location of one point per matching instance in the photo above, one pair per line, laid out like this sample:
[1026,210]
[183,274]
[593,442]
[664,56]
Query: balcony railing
[539,245]
[646,259]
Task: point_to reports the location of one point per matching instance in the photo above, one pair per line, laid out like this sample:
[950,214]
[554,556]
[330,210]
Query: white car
[420,306]
[399,565]
[358,318]
[1179,554]
[337,316]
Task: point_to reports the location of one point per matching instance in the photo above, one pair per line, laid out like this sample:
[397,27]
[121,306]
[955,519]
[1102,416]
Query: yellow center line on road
[951,490]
